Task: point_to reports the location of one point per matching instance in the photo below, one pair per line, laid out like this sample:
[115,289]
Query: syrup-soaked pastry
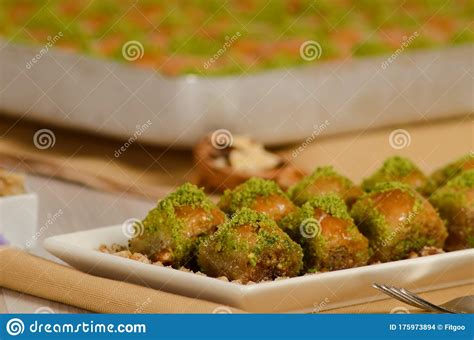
[323,181]
[258,194]
[250,247]
[328,235]
[441,176]
[396,169]
[397,220]
[171,231]
[455,203]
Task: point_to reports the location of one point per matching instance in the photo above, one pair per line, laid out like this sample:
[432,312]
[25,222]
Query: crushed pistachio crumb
[331,204]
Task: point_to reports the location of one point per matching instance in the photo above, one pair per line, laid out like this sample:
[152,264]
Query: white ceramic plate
[301,294]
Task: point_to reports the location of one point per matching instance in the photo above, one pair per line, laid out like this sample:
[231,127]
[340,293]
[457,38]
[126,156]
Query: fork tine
[418,298]
[405,298]
[398,297]
[413,301]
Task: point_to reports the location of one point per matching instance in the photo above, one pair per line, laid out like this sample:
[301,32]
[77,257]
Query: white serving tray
[274,107]
[301,294]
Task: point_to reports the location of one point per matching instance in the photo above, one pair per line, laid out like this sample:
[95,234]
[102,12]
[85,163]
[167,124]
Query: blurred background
[115,94]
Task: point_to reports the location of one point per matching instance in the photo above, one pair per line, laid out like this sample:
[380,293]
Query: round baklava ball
[455,203]
[257,194]
[441,176]
[328,235]
[396,169]
[170,232]
[324,180]
[397,220]
[249,247]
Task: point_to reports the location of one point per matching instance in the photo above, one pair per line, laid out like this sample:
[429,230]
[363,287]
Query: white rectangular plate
[349,95]
[300,294]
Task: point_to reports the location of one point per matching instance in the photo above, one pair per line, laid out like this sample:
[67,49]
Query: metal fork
[464,304]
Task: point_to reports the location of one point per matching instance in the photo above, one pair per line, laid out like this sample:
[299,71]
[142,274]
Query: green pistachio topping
[463,181]
[245,194]
[250,217]
[441,176]
[164,213]
[389,186]
[331,204]
[321,172]
[394,168]
[188,195]
[453,194]
[268,235]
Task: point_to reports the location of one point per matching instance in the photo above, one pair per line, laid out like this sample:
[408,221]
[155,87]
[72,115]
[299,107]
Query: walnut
[219,169]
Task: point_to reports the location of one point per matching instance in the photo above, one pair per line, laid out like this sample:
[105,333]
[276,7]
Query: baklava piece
[396,169]
[441,176]
[328,235]
[455,203]
[323,181]
[250,247]
[258,194]
[170,232]
[397,220]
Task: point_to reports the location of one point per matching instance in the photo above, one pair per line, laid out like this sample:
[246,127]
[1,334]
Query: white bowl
[19,219]
[308,293]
